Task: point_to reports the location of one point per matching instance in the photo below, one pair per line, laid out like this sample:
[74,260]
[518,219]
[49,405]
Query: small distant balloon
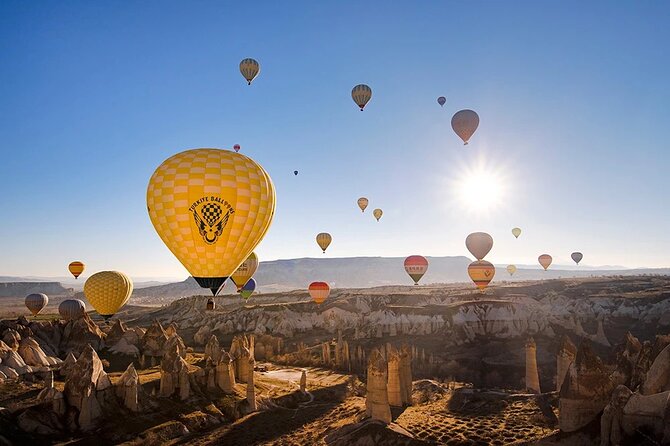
[36,302]
[248,289]
[323,240]
[577,257]
[295,172]
[319,291]
[377,213]
[545,260]
[76,268]
[511,269]
[442,100]
[481,272]
[249,69]
[245,271]
[363,203]
[416,267]
[237,147]
[361,94]
[465,123]
[516,232]
[479,244]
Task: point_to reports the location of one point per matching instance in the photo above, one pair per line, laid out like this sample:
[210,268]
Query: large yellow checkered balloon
[211,208]
[108,291]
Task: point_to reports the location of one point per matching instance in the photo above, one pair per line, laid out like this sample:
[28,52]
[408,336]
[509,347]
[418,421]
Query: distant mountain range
[351,272]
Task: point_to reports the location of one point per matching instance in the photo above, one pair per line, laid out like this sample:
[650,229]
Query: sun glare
[480,189]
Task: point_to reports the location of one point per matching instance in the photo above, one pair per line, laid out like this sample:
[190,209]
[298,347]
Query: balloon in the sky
[464,123]
[377,213]
[363,203]
[479,244]
[511,269]
[295,172]
[72,309]
[442,100]
[577,257]
[416,267]
[35,302]
[237,147]
[245,271]
[516,232]
[319,291]
[210,304]
[76,268]
[361,94]
[323,240]
[249,69]
[481,272]
[108,291]
[211,208]
[545,261]
[248,289]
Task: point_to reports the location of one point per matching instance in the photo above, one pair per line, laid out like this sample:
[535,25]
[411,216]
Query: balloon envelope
[377,213]
[464,123]
[361,94]
[442,100]
[245,271]
[416,267]
[577,257]
[511,269]
[76,268]
[72,309]
[36,302]
[211,208]
[516,232]
[545,261]
[248,289]
[479,244]
[481,272]
[237,147]
[249,69]
[323,240]
[108,291]
[319,291]
[363,203]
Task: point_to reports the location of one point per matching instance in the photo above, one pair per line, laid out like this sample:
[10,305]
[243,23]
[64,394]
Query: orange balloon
[481,272]
[319,291]
[545,261]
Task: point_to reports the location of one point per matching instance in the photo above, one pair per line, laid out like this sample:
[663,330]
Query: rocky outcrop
[66,366]
[251,389]
[225,374]
[52,396]
[116,332]
[241,353]
[174,374]
[303,381]
[565,357]
[127,388]
[80,333]
[12,338]
[153,342]
[532,376]
[213,349]
[34,356]
[393,384]
[406,375]
[657,378]
[376,401]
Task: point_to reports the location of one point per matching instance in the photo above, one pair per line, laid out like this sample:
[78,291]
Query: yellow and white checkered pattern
[187,177]
[107,291]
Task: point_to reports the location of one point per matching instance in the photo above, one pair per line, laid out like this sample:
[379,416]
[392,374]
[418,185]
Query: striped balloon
[76,268]
[319,291]
[248,289]
[323,240]
[249,69]
[72,309]
[416,267]
[361,94]
[545,260]
[35,302]
[481,272]
[464,123]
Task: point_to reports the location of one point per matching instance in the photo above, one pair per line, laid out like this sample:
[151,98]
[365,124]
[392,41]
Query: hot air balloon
[516,232]
[210,304]
[377,213]
[362,203]
[76,268]
[577,257]
[416,267]
[361,94]
[237,147]
[441,100]
[248,289]
[511,269]
[319,291]
[545,261]
[35,302]
[245,271]
[108,291]
[72,309]
[295,172]
[249,69]
[481,272]
[211,208]
[464,123]
[323,240]
[479,244]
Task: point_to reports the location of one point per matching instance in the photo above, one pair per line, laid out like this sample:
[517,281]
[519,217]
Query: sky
[573,99]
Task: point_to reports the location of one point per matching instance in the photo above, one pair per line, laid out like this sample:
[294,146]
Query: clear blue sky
[574,100]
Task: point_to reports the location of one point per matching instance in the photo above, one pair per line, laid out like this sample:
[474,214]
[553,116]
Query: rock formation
[116,332]
[406,375]
[657,378]
[174,374]
[393,384]
[80,333]
[225,373]
[532,376]
[565,357]
[303,381]
[376,401]
[213,349]
[53,396]
[241,353]
[66,366]
[127,388]
[251,390]
[152,344]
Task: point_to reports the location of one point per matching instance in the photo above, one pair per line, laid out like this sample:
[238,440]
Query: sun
[480,188]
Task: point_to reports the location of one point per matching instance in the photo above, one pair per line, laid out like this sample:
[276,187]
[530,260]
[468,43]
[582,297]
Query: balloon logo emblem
[210,219]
